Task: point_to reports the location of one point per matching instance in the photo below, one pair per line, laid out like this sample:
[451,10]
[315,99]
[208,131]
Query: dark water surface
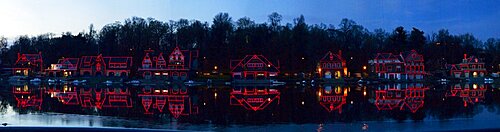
[388,107]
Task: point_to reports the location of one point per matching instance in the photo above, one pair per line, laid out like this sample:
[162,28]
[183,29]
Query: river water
[386,107]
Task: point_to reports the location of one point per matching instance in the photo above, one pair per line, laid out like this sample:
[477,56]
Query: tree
[244,23]
[222,28]
[417,40]
[398,41]
[274,19]
[3,49]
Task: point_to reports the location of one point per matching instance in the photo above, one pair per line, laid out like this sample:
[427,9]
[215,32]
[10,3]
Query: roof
[122,62]
[473,59]
[241,65]
[331,57]
[188,56]
[23,59]
[88,61]
[412,56]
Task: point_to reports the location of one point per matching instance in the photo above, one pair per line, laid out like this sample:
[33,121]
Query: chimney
[465,56]
[340,53]
[18,55]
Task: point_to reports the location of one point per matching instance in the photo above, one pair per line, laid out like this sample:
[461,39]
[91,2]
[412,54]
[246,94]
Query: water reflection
[332,99]
[27,97]
[268,104]
[400,96]
[469,93]
[254,98]
[179,103]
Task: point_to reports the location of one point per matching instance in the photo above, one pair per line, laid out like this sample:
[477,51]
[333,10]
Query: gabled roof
[412,56]
[121,60]
[453,67]
[89,61]
[474,59]
[331,57]
[187,55]
[240,65]
[31,58]
[176,52]
[388,56]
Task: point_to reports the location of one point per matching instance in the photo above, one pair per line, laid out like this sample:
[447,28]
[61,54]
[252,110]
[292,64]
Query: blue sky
[33,17]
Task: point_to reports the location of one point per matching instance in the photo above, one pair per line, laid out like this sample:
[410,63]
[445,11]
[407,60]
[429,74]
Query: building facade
[387,66]
[28,64]
[332,66]
[404,66]
[177,66]
[64,67]
[105,66]
[470,67]
[253,67]
[414,65]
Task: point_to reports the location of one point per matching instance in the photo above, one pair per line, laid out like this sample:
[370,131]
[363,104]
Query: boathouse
[253,67]
[470,67]
[414,65]
[332,66]
[407,65]
[118,66]
[64,67]
[178,66]
[387,66]
[28,64]
[105,66]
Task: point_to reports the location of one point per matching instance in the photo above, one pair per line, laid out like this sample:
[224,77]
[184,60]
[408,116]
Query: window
[255,65]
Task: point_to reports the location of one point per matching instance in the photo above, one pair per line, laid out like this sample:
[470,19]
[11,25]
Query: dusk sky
[34,17]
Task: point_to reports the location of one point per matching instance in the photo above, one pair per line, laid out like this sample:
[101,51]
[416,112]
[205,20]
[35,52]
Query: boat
[488,80]
[134,82]
[193,83]
[17,79]
[277,82]
[51,81]
[35,80]
[108,82]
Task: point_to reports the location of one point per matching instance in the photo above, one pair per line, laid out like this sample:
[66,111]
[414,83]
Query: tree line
[298,46]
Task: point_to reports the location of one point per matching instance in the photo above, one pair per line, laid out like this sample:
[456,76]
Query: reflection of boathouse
[27,97]
[394,96]
[176,99]
[105,98]
[65,94]
[254,98]
[332,99]
[470,93]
